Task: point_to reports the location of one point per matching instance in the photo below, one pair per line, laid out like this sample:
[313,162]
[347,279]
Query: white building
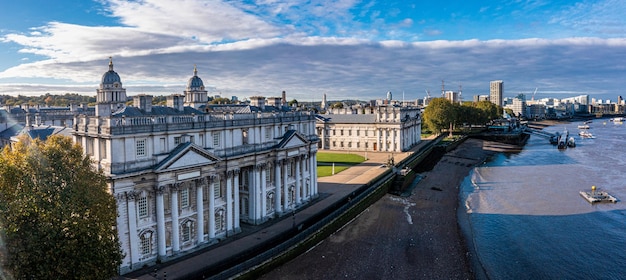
[187,176]
[379,128]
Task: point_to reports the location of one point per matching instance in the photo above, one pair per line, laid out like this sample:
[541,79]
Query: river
[527,220]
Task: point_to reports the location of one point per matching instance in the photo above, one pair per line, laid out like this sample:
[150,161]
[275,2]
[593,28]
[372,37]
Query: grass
[323,171]
[342,162]
[339,158]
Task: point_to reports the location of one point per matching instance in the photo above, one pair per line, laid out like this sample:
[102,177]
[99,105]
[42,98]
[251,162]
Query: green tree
[439,114]
[57,219]
[293,102]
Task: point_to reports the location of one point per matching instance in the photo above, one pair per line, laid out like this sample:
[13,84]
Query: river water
[527,220]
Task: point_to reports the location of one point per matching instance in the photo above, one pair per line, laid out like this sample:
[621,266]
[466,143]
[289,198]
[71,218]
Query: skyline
[347,49]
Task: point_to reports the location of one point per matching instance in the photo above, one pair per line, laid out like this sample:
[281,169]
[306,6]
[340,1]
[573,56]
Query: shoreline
[419,236]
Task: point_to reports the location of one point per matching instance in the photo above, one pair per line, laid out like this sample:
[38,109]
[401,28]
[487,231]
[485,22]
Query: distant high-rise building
[496,92]
[323,105]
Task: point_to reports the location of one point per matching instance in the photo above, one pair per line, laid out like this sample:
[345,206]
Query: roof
[347,118]
[130,111]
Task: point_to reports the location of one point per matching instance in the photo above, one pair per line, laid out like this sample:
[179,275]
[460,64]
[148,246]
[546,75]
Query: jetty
[597,196]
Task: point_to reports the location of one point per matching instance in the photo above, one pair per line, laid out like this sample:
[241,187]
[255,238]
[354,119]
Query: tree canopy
[440,113]
[57,219]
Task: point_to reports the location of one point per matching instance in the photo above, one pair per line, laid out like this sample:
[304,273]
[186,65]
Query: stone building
[384,128]
[188,174]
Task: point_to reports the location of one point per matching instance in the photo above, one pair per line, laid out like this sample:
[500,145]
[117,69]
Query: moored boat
[597,196]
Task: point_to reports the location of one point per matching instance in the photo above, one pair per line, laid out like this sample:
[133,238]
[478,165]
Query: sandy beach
[415,237]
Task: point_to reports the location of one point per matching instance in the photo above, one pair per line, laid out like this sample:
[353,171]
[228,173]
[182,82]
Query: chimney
[143,102]
[176,101]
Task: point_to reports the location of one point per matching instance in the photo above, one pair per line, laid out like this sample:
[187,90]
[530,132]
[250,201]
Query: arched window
[186,230]
[219,220]
[145,243]
[270,203]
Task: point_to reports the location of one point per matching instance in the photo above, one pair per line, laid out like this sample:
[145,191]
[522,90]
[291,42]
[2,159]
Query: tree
[57,219]
[293,103]
[439,114]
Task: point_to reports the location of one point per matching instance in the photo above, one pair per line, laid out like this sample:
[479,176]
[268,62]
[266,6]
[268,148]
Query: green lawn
[342,162]
[339,158]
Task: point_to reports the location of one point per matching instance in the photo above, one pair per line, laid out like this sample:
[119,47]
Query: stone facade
[384,128]
[187,175]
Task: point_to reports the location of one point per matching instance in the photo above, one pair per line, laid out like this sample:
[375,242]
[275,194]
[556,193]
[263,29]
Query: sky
[346,49]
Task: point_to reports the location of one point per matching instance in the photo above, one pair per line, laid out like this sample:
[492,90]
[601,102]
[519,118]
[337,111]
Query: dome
[195,81]
[111,77]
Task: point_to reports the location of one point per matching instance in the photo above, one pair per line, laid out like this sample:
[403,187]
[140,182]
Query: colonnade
[287,192]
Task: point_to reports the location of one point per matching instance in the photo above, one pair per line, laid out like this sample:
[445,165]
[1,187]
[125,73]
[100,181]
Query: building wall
[389,129]
[496,92]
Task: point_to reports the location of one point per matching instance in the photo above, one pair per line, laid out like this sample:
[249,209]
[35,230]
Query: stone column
[312,167]
[278,188]
[256,190]
[211,219]
[263,202]
[175,224]
[132,226]
[160,215]
[286,185]
[237,208]
[298,181]
[229,201]
[200,210]
[314,160]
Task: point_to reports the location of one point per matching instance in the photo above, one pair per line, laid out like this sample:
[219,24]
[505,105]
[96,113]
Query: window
[268,133]
[357,132]
[217,191]
[201,138]
[141,147]
[146,243]
[216,139]
[103,148]
[244,135]
[349,132]
[142,206]
[268,174]
[90,146]
[270,203]
[184,198]
[365,132]
[176,140]
[219,220]
[162,144]
[186,231]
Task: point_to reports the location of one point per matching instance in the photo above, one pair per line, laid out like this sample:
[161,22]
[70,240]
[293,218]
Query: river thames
[526,217]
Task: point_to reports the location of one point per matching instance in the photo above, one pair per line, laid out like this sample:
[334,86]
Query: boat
[617,119]
[583,126]
[586,134]
[597,196]
[571,142]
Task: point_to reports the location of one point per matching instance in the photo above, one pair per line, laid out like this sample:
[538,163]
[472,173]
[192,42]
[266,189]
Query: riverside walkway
[332,189]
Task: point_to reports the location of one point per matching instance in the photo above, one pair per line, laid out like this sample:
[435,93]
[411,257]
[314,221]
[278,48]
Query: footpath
[331,189]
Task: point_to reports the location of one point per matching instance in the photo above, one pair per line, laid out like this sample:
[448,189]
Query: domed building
[195,94]
[111,96]
[184,178]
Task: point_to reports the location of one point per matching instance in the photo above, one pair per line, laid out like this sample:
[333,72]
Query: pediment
[189,155]
[292,139]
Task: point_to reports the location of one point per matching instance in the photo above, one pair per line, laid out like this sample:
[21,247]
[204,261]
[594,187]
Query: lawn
[341,161]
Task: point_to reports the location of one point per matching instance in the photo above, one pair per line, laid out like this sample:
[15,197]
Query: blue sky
[345,48]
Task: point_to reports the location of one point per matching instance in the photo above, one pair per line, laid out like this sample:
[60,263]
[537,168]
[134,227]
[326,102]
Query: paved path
[331,189]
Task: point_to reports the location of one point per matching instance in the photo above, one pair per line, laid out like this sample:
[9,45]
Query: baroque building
[383,128]
[187,175]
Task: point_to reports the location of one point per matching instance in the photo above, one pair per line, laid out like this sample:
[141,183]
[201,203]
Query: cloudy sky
[344,48]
